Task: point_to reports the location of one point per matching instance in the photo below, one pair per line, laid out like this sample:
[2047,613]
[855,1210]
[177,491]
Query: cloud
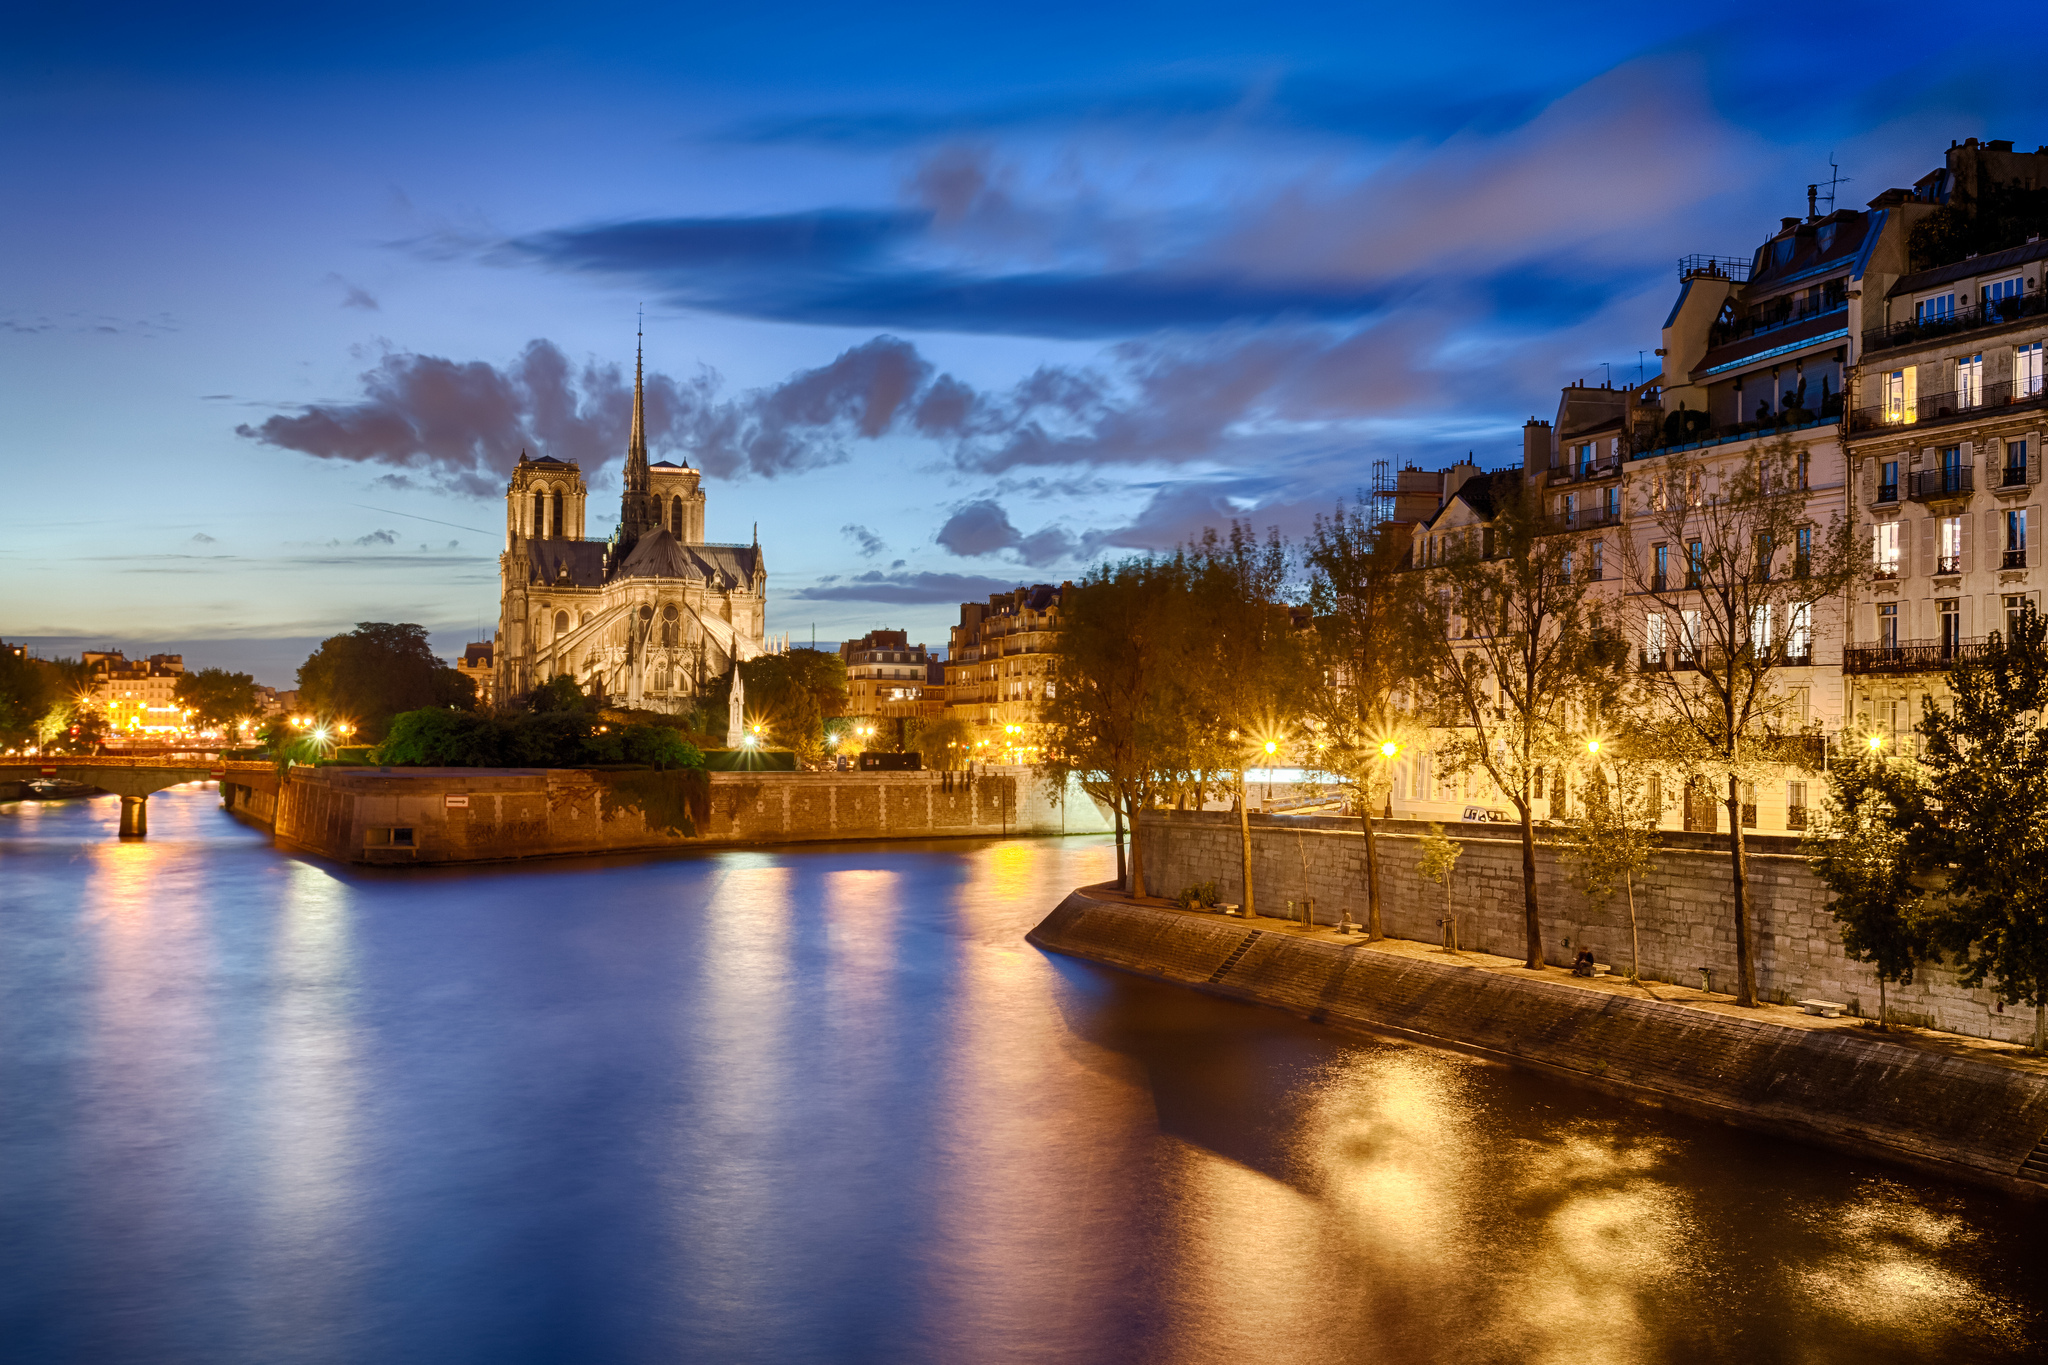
[904,589]
[200,537]
[870,544]
[354,295]
[983,528]
[379,538]
[464,423]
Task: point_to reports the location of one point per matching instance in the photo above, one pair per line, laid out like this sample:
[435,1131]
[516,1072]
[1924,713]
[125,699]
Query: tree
[1611,840]
[28,691]
[1439,858]
[793,692]
[1245,669]
[376,671]
[943,743]
[1510,655]
[1115,715]
[1985,756]
[217,697]
[1361,598]
[1727,602]
[1860,849]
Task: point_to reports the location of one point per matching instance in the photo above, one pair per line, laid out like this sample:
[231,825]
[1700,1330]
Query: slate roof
[574,563]
[1989,264]
[658,555]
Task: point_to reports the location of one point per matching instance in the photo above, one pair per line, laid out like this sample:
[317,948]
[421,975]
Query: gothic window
[561,622]
[555,520]
[669,623]
[540,514]
[676,517]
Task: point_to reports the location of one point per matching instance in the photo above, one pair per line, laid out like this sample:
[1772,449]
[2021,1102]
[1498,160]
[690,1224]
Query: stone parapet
[1684,919]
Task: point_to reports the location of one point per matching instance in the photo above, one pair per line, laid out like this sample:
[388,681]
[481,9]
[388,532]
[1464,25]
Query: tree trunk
[1884,1009]
[1745,967]
[1635,942]
[1373,931]
[1244,830]
[2041,1027]
[1532,919]
[1137,859]
[1123,876]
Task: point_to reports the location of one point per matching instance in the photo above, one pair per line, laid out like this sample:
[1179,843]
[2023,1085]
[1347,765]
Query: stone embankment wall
[1951,1114]
[454,815]
[1683,911]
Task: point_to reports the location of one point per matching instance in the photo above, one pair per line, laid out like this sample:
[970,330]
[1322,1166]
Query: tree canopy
[792,693]
[377,671]
[216,697]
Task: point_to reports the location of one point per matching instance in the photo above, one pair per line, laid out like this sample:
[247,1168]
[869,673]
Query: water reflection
[827,1105]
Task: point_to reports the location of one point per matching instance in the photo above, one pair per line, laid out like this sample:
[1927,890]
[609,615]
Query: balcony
[1985,313]
[1887,492]
[1948,564]
[1586,518]
[2013,476]
[1913,656]
[1949,482]
[1948,407]
[1586,471]
[2014,559]
[1775,320]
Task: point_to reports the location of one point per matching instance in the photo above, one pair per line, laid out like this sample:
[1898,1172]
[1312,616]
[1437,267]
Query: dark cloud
[904,589]
[354,295]
[378,538]
[870,544]
[983,528]
[463,423]
[200,537]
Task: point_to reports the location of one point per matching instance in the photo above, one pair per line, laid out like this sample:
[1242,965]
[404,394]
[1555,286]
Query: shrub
[439,738]
[1200,896]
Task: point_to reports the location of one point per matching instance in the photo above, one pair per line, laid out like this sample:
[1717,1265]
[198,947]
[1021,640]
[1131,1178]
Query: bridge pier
[134,817]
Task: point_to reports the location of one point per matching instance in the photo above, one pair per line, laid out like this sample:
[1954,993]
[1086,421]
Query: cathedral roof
[658,555]
[570,563]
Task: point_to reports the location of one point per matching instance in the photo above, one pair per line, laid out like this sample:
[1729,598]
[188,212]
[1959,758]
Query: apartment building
[999,668]
[1946,437]
[137,696]
[885,676]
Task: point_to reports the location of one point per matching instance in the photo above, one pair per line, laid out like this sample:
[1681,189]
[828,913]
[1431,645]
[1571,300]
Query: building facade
[137,696]
[999,669]
[647,618]
[479,664]
[885,676]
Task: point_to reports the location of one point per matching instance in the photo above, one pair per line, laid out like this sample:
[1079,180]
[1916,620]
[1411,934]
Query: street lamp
[1876,741]
[1593,747]
[1389,749]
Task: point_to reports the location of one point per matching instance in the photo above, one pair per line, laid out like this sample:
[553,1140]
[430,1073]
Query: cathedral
[648,618]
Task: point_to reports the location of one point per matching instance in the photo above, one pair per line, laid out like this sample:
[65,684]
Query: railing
[1683,436]
[1592,469]
[1585,518]
[1885,573]
[1742,329]
[2014,559]
[1949,406]
[1948,564]
[1715,267]
[1913,656]
[1940,483]
[1970,317]
[1659,583]
[2013,476]
[1887,492]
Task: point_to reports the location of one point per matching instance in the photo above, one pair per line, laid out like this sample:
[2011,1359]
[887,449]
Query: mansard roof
[567,563]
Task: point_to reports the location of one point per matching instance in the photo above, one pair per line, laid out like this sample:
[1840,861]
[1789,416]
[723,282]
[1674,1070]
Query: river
[827,1105]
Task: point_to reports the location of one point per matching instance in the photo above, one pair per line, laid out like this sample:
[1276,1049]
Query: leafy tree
[376,671]
[943,743]
[47,702]
[1362,600]
[1439,858]
[1985,755]
[1610,841]
[1861,849]
[217,697]
[1511,656]
[1245,669]
[793,692]
[561,693]
[1115,716]
[557,738]
[436,737]
[1734,604]
[2006,214]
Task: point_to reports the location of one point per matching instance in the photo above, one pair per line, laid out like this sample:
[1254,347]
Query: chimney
[1787,224]
[1812,202]
[1535,448]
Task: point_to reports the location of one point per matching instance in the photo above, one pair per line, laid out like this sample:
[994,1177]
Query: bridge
[134,777]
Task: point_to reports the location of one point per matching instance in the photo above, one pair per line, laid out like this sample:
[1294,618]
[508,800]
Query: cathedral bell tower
[639,507]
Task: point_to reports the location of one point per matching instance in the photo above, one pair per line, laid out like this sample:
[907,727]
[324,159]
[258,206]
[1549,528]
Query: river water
[827,1105]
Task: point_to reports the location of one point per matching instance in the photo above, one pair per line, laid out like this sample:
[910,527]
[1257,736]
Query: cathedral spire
[636,446]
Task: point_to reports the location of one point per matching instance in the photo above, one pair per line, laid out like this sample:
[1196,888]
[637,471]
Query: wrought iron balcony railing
[1913,656]
[1940,483]
[1984,313]
[2014,559]
[1950,406]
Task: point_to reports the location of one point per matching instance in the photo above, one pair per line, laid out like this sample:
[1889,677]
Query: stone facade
[1682,914]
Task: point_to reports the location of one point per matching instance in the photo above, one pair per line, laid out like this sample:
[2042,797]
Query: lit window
[1884,549]
[1970,381]
[1900,402]
[2026,371]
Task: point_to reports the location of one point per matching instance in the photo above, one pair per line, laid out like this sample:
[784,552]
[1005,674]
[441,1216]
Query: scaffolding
[1382,507]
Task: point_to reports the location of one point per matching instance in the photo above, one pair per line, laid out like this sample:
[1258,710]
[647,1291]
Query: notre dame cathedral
[648,618]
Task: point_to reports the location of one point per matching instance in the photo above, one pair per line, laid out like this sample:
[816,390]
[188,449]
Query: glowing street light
[1593,747]
[1876,742]
[1389,749]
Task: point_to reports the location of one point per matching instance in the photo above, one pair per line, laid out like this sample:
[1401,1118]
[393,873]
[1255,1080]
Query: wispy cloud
[903,588]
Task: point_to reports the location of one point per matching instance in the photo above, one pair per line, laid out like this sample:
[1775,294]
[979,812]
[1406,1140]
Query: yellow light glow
[1389,749]
[1877,742]
[1272,746]
[1592,746]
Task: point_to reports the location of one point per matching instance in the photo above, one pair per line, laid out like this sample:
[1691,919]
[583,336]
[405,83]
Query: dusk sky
[945,299]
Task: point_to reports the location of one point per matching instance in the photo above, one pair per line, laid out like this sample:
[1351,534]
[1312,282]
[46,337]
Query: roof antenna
[1835,177]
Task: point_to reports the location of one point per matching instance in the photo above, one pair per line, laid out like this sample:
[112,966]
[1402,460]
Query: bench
[1826,1009]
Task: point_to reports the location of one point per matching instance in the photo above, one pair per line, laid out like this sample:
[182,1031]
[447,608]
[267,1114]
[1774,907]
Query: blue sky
[944,299]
